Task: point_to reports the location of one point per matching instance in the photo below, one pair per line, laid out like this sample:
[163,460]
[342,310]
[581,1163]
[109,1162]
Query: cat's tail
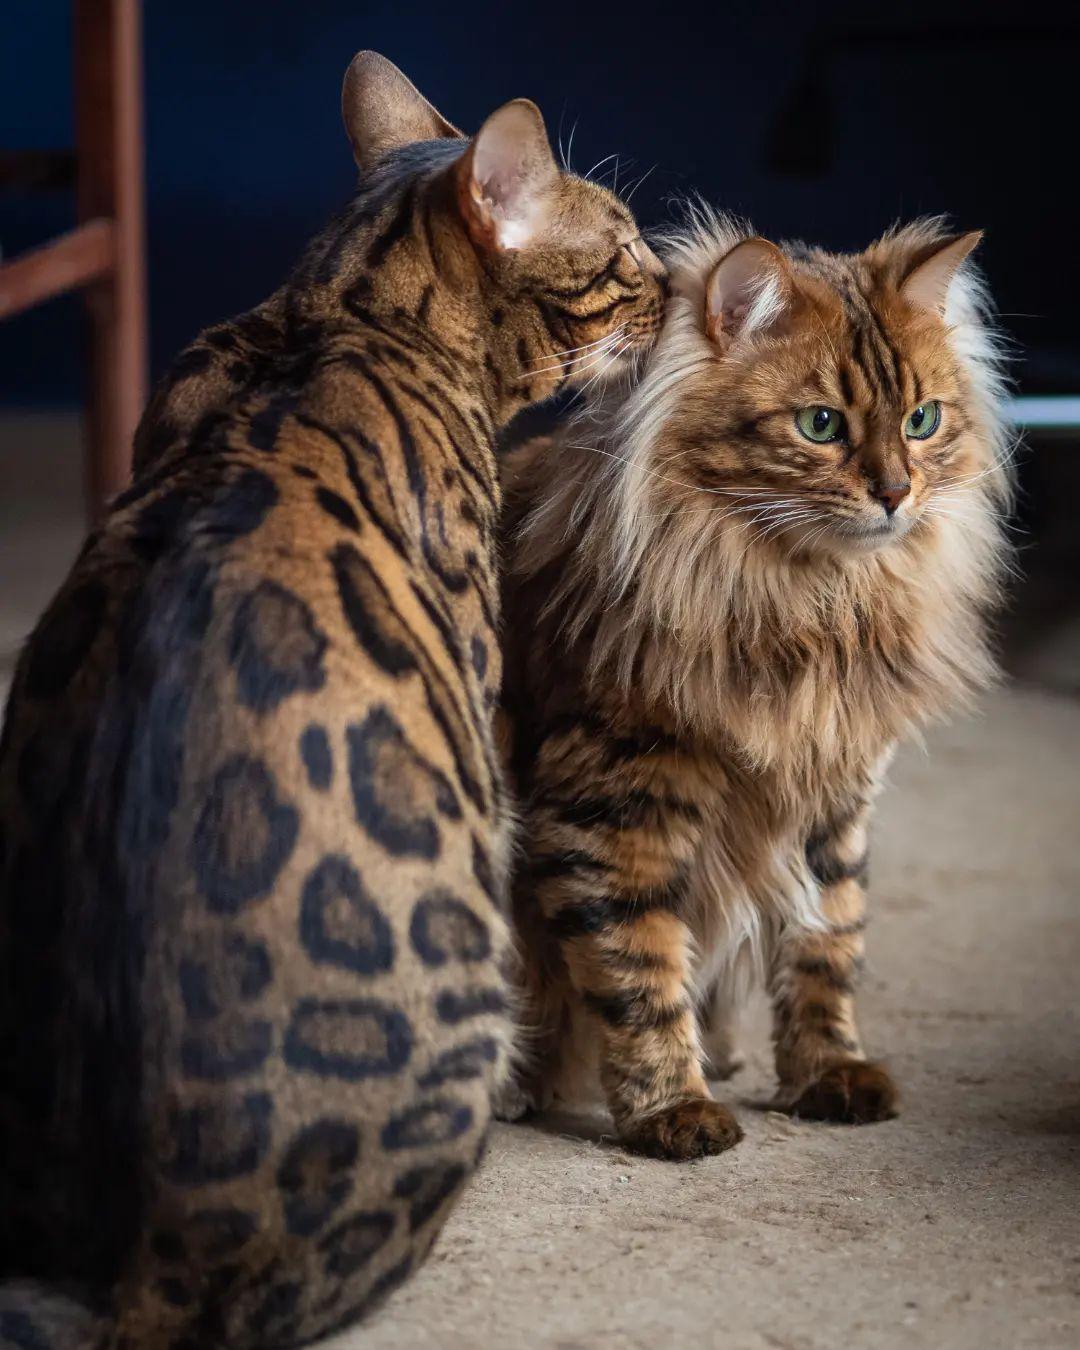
[39,1317]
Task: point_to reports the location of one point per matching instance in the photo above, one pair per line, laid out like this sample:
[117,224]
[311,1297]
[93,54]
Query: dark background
[823,121]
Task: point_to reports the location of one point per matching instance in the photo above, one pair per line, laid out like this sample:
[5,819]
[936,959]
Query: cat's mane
[797,662]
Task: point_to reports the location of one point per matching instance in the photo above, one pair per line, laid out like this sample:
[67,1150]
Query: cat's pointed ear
[382,110]
[749,291]
[507,178]
[927,282]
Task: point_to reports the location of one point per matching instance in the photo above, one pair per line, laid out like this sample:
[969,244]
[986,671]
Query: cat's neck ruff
[797,658]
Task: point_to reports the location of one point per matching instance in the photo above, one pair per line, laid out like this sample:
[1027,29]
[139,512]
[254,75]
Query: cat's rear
[252,834]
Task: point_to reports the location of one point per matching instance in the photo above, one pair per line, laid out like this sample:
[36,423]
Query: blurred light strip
[1057,413]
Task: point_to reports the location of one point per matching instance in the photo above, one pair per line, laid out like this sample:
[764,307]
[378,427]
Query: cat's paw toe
[513,1101]
[854,1093]
[694,1128]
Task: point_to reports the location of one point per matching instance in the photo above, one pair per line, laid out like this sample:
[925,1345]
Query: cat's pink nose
[890,495]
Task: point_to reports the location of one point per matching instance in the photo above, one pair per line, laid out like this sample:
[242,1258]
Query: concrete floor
[956,1226]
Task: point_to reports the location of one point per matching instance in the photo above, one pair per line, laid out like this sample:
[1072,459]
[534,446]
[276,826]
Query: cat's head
[827,402]
[564,288]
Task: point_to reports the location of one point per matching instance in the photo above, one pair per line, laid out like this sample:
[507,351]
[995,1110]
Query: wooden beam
[108,119]
[84,255]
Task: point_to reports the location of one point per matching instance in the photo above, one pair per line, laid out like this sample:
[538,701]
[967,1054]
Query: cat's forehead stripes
[870,363]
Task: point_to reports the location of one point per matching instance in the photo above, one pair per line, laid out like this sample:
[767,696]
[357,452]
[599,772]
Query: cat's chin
[846,538]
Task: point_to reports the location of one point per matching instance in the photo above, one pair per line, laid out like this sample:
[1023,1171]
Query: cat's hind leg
[823,1072]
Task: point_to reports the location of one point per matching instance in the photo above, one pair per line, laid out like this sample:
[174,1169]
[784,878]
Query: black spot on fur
[353,1243]
[158,524]
[222,970]
[153,442]
[275,1316]
[335,505]
[340,924]
[142,726]
[452,1007]
[394,231]
[63,639]
[195,361]
[444,928]
[219,1140]
[386,1283]
[242,506]
[229,1050]
[276,647]
[207,1236]
[302,471]
[426,1125]
[265,425]
[317,756]
[426,1189]
[393,645]
[479,657]
[223,339]
[462,1063]
[317,1174]
[378,629]
[351,1039]
[481,864]
[244,836]
[394,788]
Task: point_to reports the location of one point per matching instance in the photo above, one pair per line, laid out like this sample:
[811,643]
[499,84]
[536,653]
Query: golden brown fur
[736,626]
[253,836]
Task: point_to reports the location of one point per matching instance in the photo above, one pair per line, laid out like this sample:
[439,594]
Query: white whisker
[589,172]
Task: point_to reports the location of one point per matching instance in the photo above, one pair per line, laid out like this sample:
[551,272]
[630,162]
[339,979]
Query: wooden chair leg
[108,102]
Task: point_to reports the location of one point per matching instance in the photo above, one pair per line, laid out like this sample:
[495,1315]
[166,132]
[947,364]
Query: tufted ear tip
[927,283]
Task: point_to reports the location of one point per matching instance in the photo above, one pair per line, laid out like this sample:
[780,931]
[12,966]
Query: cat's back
[251,838]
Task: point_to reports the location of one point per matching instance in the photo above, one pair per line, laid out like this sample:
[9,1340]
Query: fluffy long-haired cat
[735,588]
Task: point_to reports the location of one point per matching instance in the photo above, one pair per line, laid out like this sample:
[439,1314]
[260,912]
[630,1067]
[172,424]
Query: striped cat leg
[627,954]
[822,1070]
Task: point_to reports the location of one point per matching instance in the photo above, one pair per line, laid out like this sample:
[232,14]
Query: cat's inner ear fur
[926,284]
[750,290]
[382,110]
[508,178]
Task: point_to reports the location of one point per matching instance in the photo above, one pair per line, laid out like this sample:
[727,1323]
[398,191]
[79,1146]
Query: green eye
[820,424]
[924,421]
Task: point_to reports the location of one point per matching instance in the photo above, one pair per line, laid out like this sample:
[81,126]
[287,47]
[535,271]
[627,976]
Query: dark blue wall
[814,120]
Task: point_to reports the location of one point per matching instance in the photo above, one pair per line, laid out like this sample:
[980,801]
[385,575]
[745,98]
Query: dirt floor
[956,1226]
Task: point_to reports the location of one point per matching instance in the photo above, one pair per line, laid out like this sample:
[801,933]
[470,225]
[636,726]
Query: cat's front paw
[516,1099]
[856,1092]
[693,1128]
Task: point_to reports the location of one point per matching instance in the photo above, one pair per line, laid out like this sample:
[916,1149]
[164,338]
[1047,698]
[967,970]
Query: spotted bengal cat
[254,835]
[735,588]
